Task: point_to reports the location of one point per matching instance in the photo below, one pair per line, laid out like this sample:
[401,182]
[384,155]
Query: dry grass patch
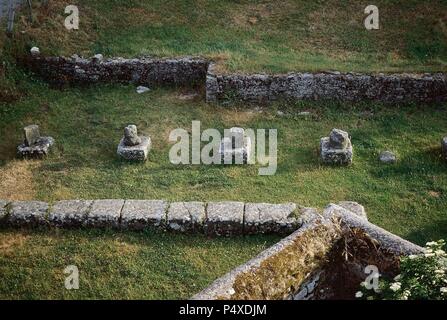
[17,181]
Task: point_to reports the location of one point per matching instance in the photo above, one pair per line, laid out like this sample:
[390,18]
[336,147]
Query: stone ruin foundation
[34,145]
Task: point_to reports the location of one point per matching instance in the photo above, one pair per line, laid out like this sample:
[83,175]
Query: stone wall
[230,88]
[263,88]
[60,71]
[310,263]
[212,218]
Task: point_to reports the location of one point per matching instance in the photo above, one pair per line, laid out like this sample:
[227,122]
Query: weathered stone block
[105,214]
[135,153]
[139,214]
[271,218]
[337,148]
[3,211]
[224,218]
[236,148]
[34,146]
[186,216]
[131,137]
[69,213]
[27,213]
[444,147]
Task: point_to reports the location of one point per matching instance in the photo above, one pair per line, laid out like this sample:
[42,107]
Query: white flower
[397,278]
[429,255]
[440,271]
[431,243]
[359,294]
[412,256]
[443,290]
[395,286]
[363,284]
[440,252]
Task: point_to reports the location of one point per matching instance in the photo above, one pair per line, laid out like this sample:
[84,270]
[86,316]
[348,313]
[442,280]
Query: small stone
[131,137]
[224,218]
[27,213]
[105,214]
[387,157]
[142,89]
[186,216]
[140,214]
[31,135]
[444,147]
[338,139]
[280,113]
[69,213]
[3,211]
[354,207]
[35,51]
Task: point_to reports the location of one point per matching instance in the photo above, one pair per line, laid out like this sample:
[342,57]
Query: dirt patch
[17,181]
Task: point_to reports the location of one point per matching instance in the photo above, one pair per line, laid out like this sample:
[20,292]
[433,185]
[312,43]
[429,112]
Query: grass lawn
[113,265]
[408,198]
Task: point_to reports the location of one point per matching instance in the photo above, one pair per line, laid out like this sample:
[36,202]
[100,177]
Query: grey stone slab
[138,152]
[105,214]
[27,213]
[186,216]
[3,211]
[224,218]
[69,213]
[139,214]
[271,218]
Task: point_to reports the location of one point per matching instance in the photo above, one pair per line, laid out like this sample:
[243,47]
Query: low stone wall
[212,218]
[60,71]
[311,262]
[264,88]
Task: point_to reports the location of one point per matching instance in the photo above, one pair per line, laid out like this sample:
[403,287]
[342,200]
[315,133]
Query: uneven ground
[408,198]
